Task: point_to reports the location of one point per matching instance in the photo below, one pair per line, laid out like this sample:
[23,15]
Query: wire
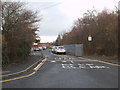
[53,5]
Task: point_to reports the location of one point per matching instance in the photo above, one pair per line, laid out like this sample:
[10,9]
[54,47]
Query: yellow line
[25,75]
[100,61]
[19,71]
[18,77]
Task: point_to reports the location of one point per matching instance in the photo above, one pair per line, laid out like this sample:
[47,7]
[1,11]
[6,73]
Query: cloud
[54,21]
[45,39]
[60,17]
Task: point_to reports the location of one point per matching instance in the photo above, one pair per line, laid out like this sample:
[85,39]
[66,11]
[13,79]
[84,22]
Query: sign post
[89,40]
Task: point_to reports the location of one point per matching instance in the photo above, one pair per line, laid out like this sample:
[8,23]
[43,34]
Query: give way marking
[83,66]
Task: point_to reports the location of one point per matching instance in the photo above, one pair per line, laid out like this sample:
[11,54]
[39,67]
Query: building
[45,44]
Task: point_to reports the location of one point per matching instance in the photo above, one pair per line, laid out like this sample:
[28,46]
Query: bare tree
[18,29]
[102,26]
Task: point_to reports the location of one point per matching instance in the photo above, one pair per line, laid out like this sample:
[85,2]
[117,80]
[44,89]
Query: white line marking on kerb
[72,62]
[37,66]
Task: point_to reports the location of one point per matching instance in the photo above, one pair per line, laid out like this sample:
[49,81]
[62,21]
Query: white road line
[52,61]
[89,64]
[60,58]
[63,66]
[37,66]
[72,62]
[83,66]
[64,61]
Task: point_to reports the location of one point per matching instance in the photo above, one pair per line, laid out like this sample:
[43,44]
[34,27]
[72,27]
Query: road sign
[89,38]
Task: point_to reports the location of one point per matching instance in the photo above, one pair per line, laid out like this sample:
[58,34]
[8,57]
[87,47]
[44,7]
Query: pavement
[65,71]
[115,61]
[23,67]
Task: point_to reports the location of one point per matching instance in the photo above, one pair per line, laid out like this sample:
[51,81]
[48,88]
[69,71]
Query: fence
[76,49]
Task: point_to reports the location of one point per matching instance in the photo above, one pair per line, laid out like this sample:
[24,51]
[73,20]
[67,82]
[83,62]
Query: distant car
[37,49]
[40,48]
[59,50]
[44,47]
[53,49]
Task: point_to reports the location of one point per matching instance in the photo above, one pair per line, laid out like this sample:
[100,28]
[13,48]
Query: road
[64,71]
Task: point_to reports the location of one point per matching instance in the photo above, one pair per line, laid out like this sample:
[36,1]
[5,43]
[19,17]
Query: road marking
[63,66]
[68,66]
[100,61]
[64,58]
[72,62]
[53,61]
[38,67]
[20,71]
[83,66]
[70,58]
[89,64]
[64,61]
[18,77]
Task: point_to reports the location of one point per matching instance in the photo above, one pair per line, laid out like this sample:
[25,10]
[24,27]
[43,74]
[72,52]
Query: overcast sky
[59,15]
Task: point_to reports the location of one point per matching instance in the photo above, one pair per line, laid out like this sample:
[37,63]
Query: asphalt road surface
[64,71]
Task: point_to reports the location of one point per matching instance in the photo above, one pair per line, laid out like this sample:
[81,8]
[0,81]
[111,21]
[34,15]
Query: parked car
[53,49]
[36,49]
[44,47]
[40,48]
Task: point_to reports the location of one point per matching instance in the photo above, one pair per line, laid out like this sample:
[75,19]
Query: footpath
[33,60]
[105,59]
